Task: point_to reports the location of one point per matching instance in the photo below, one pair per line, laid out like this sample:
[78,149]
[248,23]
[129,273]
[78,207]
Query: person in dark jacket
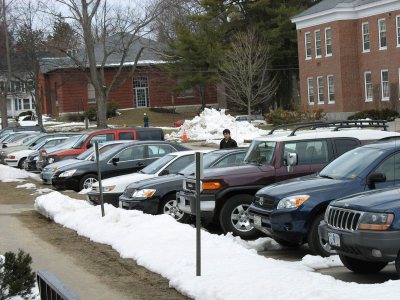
[227,141]
[145,120]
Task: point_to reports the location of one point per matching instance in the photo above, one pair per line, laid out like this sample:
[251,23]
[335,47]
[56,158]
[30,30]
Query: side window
[131,153]
[126,136]
[52,143]
[180,163]
[148,135]
[344,145]
[159,150]
[233,159]
[391,168]
[102,138]
[308,152]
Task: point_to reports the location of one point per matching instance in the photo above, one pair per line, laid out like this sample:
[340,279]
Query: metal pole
[199,166]
[97,154]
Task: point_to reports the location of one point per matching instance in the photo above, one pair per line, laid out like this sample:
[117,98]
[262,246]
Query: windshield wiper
[326,176]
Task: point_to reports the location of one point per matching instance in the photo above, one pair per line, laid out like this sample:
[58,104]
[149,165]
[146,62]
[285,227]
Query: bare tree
[109,31]
[245,71]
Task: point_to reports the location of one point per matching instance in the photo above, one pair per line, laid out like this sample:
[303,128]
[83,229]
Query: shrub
[75,117]
[376,114]
[91,113]
[16,276]
[280,116]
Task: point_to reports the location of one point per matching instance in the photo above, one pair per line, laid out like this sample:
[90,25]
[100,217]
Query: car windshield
[351,164]
[89,153]
[155,166]
[68,143]
[38,146]
[260,152]
[16,137]
[208,160]
[29,140]
[80,141]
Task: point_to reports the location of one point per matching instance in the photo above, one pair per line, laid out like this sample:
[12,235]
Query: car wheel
[87,181]
[169,206]
[318,245]
[234,217]
[286,243]
[21,163]
[362,266]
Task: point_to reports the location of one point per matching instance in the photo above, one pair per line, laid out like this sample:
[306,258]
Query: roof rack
[335,124]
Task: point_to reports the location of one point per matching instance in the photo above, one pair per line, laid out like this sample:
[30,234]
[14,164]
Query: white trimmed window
[331,89]
[310,90]
[318,51]
[307,41]
[365,37]
[382,34]
[320,83]
[398,30]
[328,41]
[385,85]
[91,93]
[368,86]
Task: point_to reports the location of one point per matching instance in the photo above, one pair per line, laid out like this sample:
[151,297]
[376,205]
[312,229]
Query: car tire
[21,163]
[169,206]
[286,243]
[317,245]
[234,217]
[362,266]
[87,181]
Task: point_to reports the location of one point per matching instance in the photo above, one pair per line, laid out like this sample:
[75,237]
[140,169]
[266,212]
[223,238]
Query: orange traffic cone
[184,136]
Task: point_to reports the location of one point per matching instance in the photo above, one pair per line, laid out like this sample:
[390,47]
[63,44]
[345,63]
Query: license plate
[257,220]
[333,239]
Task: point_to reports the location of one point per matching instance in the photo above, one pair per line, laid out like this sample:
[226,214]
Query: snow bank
[8,174]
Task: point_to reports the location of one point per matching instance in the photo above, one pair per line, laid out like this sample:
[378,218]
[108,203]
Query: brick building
[349,55]
[66,88]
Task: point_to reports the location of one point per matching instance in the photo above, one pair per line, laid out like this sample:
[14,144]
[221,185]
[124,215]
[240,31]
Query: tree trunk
[202,94]
[3,100]
[3,109]
[101,110]
[38,98]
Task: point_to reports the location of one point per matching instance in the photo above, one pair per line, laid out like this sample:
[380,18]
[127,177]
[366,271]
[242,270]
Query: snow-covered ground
[231,267]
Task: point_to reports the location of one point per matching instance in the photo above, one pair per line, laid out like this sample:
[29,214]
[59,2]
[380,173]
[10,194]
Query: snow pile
[27,186]
[229,270]
[8,174]
[209,125]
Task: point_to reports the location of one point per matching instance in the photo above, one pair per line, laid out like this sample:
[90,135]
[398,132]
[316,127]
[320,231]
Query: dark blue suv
[365,230]
[291,211]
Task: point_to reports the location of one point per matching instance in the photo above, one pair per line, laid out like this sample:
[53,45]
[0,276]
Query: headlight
[375,221]
[292,201]
[146,193]
[50,160]
[67,173]
[108,188]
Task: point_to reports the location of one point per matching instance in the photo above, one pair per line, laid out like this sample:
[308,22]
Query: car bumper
[364,244]
[111,198]
[46,177]
[40,164]
[187,204]
[11,162]
[65,183]
[285,225]
[148,206]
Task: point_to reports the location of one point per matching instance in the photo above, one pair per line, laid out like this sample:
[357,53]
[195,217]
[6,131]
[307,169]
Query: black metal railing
[50,288]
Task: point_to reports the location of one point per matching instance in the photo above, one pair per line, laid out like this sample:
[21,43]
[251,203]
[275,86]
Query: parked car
[88,139]
[17,138]
[21,128]
[48,172]
[158,195]
[113,187]
[364,229]
[17,158]
[291,211]
[228,192]
[253,119]
[119,160]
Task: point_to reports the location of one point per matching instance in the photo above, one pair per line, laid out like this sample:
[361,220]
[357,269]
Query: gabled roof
[114,45]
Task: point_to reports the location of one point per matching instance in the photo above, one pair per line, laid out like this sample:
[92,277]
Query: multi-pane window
[310,90]
[368,86]
[141,91]
[307,38]
[328,41]
[91,93]
[365,37]
[331,89]
[382,34]
[318,51]
[398,30]
[385,84]
[320,83]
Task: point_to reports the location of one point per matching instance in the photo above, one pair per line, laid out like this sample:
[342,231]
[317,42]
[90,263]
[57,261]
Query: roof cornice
[346,13]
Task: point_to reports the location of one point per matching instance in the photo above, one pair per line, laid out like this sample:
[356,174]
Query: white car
[17,158]
[113,187]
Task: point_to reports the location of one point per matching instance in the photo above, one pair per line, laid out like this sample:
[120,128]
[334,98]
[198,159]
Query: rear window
[148,135]
[126,136]
[344,145]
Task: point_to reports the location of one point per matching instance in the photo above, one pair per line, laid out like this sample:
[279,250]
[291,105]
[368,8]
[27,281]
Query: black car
[119,160]
[159,195]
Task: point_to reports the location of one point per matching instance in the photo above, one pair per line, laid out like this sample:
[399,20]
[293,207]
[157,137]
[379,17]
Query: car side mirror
[375,177]
[163,172]
[115,160]
[291,161]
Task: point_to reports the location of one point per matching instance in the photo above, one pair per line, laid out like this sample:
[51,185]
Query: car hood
[62,163]
[234,170]
[15,148]
[78,165]
[156,181]
[122,181]
[21,153]
[377,200]
[310,185]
